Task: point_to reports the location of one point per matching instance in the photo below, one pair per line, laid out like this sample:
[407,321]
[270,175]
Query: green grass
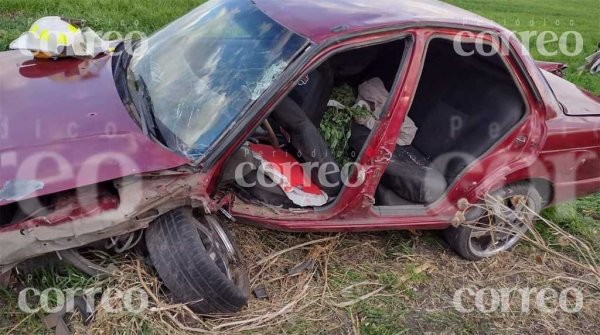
[62,278]
[147,16]
[581,218]
[16,16]
[381,314]
[582,16]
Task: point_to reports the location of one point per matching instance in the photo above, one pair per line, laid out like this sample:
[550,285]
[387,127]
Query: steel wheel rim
[218,246]
[499,233]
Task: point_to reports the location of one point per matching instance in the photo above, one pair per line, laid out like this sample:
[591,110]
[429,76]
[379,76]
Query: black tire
[182,262]
[458,238]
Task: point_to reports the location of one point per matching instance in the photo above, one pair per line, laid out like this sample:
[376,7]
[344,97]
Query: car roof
[319,20]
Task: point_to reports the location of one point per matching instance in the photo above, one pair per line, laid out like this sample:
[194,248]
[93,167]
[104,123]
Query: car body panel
[540,147]
[576,101]
[353,210]
[552,67]
[570,157]
[91,215]
[65,126]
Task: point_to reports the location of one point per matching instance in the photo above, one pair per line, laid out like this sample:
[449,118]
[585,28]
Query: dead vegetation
[385,283]
[382,283]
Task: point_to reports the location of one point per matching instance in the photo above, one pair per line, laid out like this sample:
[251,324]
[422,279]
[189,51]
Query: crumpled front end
[64,126]
[82,216]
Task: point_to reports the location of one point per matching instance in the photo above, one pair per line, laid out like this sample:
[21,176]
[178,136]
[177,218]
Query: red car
[172,134]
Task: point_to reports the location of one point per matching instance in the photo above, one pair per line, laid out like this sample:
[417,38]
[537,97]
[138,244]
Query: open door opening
[303,146]
[464,104]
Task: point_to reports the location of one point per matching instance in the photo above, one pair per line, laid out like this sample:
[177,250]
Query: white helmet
[53,36]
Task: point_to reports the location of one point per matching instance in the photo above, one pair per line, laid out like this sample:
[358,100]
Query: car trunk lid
[576,101]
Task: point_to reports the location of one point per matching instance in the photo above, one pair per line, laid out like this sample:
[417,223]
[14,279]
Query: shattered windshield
[206,68]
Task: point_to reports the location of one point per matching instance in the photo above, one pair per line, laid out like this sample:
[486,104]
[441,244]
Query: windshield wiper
[139,103]
[143,104]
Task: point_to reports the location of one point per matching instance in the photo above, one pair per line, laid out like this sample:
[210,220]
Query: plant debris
[335,126]
[362,283]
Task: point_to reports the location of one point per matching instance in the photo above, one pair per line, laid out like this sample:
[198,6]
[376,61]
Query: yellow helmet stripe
[72,28]
[63,39]
[44,35]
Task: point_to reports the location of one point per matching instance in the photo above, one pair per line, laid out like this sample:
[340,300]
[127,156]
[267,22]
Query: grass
[147,16]
[41,278]
[542,15]
[581,218]
[16,16]
[417,304]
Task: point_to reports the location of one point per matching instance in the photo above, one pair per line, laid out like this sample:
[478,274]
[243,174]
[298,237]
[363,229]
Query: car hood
[63,125]
[576,101]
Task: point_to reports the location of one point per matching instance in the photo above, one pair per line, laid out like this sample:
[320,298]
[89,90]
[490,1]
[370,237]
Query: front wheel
[198,262]
[497,224]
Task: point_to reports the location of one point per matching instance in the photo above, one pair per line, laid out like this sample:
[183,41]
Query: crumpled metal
[592,63]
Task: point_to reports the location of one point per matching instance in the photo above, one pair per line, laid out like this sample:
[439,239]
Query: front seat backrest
[308,141]
[313,93]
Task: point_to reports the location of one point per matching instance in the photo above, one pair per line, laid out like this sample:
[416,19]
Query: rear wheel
[198,262]
[498,225]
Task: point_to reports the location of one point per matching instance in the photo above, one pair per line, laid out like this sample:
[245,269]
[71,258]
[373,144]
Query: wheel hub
[502,226]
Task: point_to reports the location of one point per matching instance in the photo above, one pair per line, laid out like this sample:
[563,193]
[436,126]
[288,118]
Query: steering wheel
[272,137]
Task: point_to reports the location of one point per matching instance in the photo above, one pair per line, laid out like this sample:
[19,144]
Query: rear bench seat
[462,107]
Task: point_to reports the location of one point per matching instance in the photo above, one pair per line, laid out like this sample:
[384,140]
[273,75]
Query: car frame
[555,148]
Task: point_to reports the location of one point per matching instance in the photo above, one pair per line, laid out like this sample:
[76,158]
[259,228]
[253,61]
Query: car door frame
[517,149]
[349,197]
[353,210]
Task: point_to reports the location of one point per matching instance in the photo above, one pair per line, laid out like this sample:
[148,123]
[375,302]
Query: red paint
[576,101]
[570,158]
[86,202]
[555,144]
[545,128]
[552,67]
[64,119]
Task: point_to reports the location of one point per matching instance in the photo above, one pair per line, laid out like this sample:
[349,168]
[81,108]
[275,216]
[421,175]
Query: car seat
[462,107]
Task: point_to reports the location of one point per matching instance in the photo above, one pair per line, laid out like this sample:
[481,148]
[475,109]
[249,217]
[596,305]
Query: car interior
[463,105]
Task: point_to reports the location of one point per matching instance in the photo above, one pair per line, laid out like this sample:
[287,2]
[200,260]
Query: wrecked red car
[219,116]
